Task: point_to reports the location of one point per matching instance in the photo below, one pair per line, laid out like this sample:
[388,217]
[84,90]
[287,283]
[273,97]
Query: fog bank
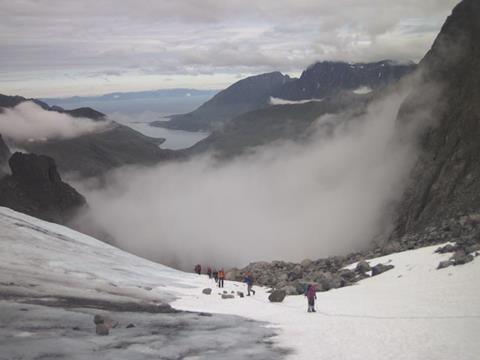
[289,201]
[29,122]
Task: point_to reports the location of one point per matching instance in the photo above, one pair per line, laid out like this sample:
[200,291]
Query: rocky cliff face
[35,188]
[443,197]
[4,156]
[245,95]
[327,78]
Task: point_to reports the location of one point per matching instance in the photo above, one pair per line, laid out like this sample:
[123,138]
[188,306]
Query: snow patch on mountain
[362,90]
[278,101]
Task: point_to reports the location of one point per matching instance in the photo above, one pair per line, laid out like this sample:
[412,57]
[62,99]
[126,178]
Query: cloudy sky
[80,47]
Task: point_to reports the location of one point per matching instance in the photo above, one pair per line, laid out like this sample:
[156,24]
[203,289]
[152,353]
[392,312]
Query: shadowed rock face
[445,183]
[4,155]
[327,78]
[35,188]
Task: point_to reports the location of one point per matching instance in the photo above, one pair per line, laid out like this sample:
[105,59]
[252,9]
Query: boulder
[102,329]
[277,296]
[290,290]
[445,249]
[328,281]
[362,267]
[444,264]
[381,268]
[129,326]
[228,296]
[105,320]
[98,319]
[461,257]
[207,291]
[347,275]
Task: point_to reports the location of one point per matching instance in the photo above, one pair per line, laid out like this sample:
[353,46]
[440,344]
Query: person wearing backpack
[311,295]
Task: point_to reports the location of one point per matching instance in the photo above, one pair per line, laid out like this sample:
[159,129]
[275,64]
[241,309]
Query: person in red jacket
[311,295]
[221,277]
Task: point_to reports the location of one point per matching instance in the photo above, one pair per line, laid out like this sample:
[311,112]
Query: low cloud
[289,201]
[29,122]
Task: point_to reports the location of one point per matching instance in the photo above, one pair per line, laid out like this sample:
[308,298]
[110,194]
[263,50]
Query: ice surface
[53,281]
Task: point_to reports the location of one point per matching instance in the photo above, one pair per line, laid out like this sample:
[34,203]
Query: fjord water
[174,139]
[137,113]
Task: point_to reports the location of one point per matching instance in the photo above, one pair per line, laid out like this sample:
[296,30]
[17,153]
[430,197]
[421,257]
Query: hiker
[198,269]
[215,275]
[249,280]
[311,295]
[209,272]
[221,277]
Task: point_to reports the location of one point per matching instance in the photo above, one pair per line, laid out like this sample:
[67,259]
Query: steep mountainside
[280,122]
[245,95]
[12,101]
[4,155]
[94,153]
[327,78]
[35,188]
[443,198]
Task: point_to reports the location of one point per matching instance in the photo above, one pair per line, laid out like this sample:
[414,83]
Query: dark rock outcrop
[4,156]
[35,188]
[444,190]
[328,78]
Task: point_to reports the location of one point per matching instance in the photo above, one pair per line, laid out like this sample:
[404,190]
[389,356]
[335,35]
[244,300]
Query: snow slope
[411,312]
[53,280]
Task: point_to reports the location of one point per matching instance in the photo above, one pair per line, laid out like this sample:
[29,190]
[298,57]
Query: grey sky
[63,47]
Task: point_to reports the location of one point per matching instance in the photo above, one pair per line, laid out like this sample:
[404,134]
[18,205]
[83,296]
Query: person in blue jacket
[248,279]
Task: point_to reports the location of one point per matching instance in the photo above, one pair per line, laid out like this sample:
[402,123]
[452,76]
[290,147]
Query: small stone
[240,294]
[102,330]
[98,319]
[207,291]
[130,326]
[228,296]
